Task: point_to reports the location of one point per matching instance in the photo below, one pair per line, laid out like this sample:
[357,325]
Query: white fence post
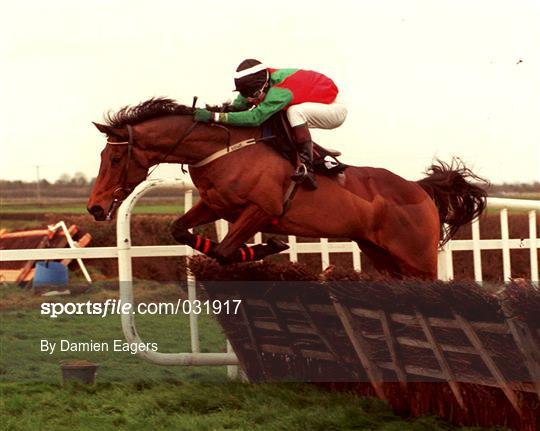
[507,270]
[445,267]
[533,246]
[477,256]
[325,254]
[191,286]
[356,257]
[222,227]
[293,249]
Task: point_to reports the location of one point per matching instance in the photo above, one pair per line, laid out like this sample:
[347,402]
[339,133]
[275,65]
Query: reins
[175,146]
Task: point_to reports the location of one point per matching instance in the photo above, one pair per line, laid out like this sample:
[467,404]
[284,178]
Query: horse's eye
[115,161]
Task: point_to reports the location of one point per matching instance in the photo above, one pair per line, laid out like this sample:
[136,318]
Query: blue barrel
[50,273]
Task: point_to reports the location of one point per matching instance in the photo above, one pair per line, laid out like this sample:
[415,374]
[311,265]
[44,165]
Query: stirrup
[301,173]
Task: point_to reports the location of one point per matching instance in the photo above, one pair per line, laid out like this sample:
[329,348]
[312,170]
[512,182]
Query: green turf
[197,406]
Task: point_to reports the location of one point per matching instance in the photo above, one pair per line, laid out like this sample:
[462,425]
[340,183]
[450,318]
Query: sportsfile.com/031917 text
[117,307]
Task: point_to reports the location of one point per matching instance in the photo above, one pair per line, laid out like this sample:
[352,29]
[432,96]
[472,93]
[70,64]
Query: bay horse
[397,223]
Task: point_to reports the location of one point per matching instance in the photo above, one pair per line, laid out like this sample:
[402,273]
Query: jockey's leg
[314,115]
[304,173]
[233,249]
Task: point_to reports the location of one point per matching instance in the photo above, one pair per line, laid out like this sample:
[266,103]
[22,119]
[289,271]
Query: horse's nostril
[97,212]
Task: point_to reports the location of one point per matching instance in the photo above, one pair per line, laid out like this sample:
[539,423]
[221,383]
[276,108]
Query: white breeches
[318,115]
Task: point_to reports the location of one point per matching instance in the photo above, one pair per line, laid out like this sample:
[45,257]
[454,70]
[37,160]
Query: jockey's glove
[203,115]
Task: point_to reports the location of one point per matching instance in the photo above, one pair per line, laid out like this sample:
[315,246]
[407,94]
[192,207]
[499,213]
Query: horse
[398,224]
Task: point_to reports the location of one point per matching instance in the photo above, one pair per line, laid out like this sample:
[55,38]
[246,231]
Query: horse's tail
[459,201]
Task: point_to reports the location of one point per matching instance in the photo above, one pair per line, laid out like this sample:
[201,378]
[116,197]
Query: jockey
[308,97]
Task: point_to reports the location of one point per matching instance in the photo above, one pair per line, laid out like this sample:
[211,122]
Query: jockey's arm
[240,103]
[276,99]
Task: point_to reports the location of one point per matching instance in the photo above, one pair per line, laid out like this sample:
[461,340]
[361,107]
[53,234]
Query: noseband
[120,193]
[124,190]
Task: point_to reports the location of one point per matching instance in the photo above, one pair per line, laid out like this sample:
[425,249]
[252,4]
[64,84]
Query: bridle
[123,191]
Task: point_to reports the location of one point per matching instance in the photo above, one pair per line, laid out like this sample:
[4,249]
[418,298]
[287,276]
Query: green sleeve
[276,99]
[240,103]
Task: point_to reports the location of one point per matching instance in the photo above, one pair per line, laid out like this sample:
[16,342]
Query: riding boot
[304,173]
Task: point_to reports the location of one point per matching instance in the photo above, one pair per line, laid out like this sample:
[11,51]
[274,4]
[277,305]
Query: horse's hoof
[181,236]
[179,232]
[277,245]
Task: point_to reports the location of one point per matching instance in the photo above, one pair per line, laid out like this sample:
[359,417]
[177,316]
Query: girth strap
[235,147]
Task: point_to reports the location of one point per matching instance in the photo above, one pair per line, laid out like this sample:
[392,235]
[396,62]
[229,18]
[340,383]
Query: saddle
[277,132]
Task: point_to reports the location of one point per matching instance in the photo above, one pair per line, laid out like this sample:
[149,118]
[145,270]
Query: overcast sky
[422,79]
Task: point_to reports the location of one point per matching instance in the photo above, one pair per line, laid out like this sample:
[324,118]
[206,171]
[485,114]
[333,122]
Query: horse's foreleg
[198,215]
[233,248]
[201,214]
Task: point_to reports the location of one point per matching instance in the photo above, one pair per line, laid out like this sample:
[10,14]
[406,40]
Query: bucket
[48,273]
[81,371]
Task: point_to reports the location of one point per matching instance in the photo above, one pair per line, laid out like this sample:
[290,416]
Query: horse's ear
[109,130]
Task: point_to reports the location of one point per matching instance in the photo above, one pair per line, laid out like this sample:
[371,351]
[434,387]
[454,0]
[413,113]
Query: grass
[133,394]
[198,406]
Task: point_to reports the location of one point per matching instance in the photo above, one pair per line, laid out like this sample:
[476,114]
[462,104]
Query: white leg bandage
[318,115]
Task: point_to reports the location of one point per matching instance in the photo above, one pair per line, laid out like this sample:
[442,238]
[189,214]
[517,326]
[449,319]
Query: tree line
[78,179]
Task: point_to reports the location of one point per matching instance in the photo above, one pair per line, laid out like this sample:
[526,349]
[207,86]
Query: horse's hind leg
[383,261]
[403,264]
[233,249]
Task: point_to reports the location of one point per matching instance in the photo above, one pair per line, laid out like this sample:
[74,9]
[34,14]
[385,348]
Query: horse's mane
[147,110]
[153,108]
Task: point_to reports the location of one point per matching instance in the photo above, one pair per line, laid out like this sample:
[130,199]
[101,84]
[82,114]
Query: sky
[421,79]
